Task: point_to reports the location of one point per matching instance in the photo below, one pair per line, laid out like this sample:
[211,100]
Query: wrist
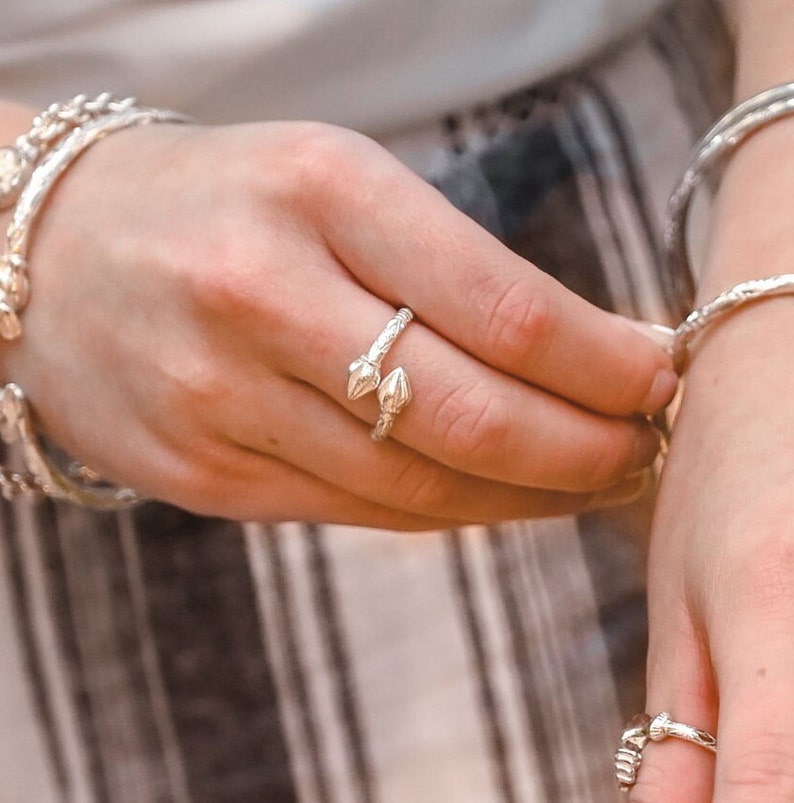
[750,230]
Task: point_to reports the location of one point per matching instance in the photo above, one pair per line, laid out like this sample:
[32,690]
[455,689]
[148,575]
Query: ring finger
[465,414]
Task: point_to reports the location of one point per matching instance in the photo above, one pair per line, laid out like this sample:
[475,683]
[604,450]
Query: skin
[197,295]
[722,557]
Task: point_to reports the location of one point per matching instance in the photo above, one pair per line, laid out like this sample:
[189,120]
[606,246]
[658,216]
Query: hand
[722,573]
[197,296]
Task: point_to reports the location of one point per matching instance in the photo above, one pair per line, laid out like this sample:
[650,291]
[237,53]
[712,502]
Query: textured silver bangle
[724,303]
[720,141]
[80,485]
[14,285]
[17,161]
[28,173]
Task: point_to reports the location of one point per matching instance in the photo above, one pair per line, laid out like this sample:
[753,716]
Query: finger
[464,414]
[417,249]
[754,659]
[262,488]
[203,474]
[679,683]
[307,429]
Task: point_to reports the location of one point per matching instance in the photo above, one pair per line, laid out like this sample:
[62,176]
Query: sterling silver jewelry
[28,172]
[394,393]
[80,485]
[363,374]
[730,300]
[18,160]
[709,154]
[14,285]
[720,141]
[643,729]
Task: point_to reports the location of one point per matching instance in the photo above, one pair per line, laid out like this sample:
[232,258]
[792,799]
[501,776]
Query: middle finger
[465,414]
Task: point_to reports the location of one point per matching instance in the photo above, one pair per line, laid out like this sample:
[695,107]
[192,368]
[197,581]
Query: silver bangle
[14,285]
[79,485]
[17,161]
[722,139]
[28,173]
[729,301]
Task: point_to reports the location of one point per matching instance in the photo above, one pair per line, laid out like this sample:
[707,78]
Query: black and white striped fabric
[159,657]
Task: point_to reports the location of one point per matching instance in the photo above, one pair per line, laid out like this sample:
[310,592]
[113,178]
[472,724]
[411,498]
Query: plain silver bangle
[722,139]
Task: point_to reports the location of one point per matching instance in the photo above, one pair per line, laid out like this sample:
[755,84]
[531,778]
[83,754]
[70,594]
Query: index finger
[407,244]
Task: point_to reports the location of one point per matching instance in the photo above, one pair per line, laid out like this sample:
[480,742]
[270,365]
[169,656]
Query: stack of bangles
[709,155]
[29,170]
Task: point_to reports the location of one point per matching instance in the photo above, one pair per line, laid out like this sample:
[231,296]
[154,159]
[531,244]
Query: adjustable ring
[643,729]
[363,374]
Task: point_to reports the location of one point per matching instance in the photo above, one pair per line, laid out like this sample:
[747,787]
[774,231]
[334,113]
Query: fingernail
[646,447]
[662,391]
[631,489]
[661,335]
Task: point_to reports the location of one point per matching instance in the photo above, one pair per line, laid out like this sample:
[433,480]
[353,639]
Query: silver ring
[643,729]
[363,374]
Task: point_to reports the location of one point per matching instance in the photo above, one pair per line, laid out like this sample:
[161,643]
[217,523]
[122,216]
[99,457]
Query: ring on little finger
[643,729]
[363,376]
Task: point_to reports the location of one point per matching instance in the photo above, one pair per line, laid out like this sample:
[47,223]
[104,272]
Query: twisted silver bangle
[28,173]
[80,485]
[729,301]
[17,161]
[14,284]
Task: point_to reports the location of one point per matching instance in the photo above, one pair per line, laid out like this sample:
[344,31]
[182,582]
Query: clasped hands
[197,295]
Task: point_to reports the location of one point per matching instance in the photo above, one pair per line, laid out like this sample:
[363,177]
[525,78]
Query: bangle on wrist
[29,170]
[723,138]
[17,161]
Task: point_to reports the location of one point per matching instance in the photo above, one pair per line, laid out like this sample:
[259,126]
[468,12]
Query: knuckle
[230,286]
[606,462]
[319,160]
[216,292]
[197,385]
[422,486]
[521,323]
[224,279]
[473,424]
[190,483]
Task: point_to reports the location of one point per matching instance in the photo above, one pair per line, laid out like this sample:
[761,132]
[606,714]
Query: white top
[376,65]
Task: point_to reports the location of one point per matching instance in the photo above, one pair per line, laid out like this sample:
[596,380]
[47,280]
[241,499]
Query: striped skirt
[158,657]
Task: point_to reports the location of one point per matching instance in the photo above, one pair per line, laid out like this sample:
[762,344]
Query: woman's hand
[722,572]
[721,588]
[197,296]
